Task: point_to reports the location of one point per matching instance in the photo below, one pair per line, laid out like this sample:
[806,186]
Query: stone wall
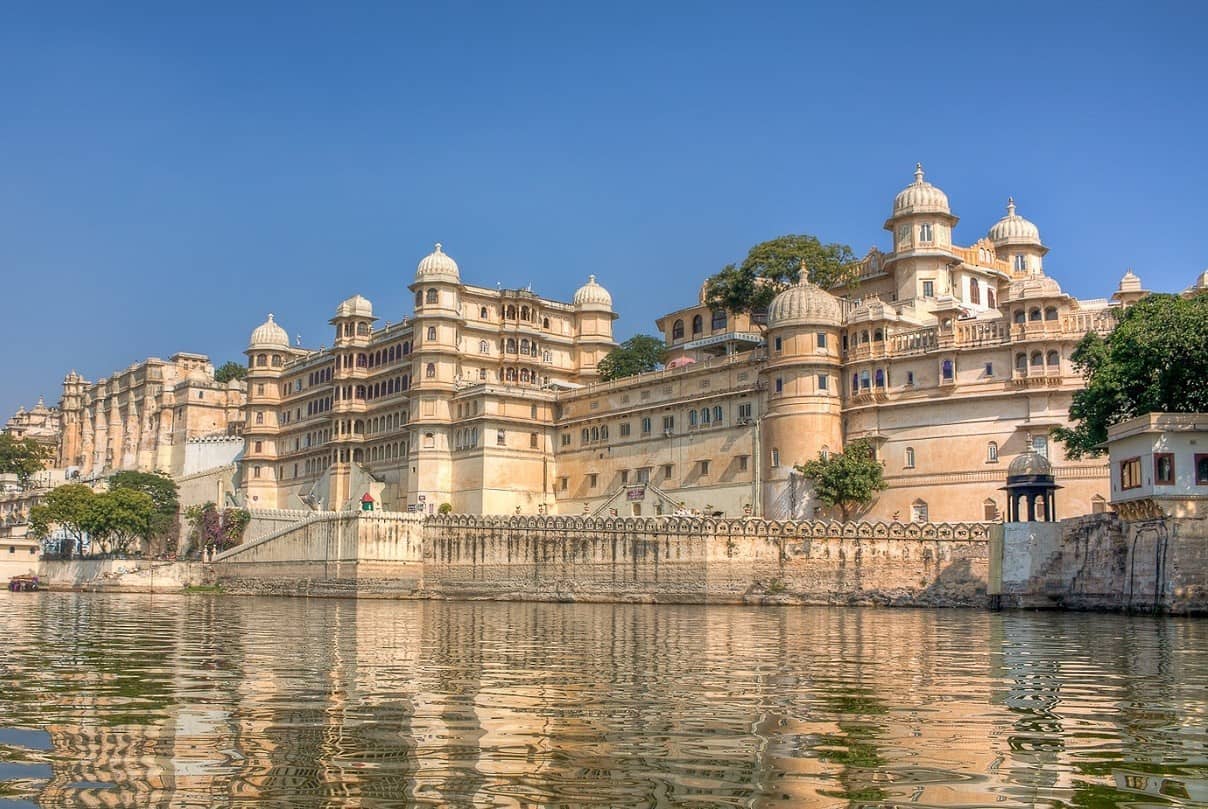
[120,575]
[683,560]
[1100,562]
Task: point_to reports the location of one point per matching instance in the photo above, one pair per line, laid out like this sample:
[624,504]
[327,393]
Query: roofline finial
[918,172]
[1010,206]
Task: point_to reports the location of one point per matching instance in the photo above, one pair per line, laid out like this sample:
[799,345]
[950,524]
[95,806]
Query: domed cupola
[804,304]
[1013,229]
[356,306]
[437,266]
[269,334]
[592,295]
[920,197]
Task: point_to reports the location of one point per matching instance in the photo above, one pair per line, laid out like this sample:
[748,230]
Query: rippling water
[212,701]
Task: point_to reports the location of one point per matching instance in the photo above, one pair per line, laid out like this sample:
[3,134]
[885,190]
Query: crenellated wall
[663,559]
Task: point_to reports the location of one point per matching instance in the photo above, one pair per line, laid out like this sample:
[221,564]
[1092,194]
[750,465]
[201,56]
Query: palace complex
[951,360]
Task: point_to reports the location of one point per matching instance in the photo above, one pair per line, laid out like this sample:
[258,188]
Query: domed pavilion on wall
[949,360]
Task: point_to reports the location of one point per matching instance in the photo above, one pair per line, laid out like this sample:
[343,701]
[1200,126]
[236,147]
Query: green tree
[1154,361]
[68,507]
[22,457]
[637,355]
[164,494]
[230,370]
[120,518]
[772,266]
[848,480]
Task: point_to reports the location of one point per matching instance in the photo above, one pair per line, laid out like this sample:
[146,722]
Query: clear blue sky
[171,172]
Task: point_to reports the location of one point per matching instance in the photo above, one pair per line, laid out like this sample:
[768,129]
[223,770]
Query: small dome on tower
[804,303]
[438,266]
[592,294]
[269,335]
[920,197]
[1013,229]
[1029,463]
[1129,282]
[356,306]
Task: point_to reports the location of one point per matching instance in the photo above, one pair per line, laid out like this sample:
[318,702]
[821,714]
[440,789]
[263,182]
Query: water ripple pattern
[213,701]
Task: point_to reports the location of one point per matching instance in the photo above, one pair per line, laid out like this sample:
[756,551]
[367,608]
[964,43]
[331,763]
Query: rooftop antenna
[298,340]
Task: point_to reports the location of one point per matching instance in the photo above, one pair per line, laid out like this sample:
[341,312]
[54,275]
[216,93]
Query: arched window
[358,427]
[430,370]
[719,319]
[431,296]
[1050,313]
[419,297]
[261,360]
[511,313]
[362,329]
[717,413]
[429,440]
[698,324]
[677,330]
[276,360]
[524,346]
[585,435]
[604,432]
[524,313]
[524,375]
[1021,362]
[1053,359]
[990,298]
[704,415]
[483,348]
[595,433]
[880,377]
[989,510]
[908,462]
[878,335]
[511,345]
[974,291]
[482,313]
[1037,359]
[691,418]
[865,380]
[360,392]
[992,452]
[918,511]
[259,418]
[1020,317]
[432,333]
[362,360]
[406,347]
[855,382]
[511,375]
[1034,314]
[406,382]
[545,322]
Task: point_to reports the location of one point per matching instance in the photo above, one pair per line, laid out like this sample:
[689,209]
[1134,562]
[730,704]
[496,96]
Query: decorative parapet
[971,531]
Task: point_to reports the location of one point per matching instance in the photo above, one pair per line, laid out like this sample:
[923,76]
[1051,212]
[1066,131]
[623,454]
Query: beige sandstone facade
[951,360]
[142,418]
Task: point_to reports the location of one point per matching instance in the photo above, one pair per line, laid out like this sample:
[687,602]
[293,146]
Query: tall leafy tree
[230,370]
[22,457]
[1154,361]
[847,480]
[163,493]
[772,266]
[70,508]
[120,519]
[637,355]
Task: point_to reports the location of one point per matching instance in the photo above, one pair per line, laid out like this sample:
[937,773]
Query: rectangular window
[646,426]
[532,440]
[624,429]
[1201,469]
[821,339]
[668,423]
[743,462]
[644,474]
[704,468]
[501,438]
[779,345]
[775,457]
[822,383]
[946,370]
[563,483]
[779,385]
[744,412]
[1130,474]
[910,379]
[624,476]
[1163,468]
[566,439]
[989,369]
[255,471]
[667,469]
[592,480]
[925,233]
[929,289]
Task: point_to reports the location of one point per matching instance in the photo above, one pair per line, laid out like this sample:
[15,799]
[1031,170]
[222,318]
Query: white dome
[1040,286]
[269,335]
[1129,282]
[1013,229]
[438,266]
[804,304]
[356,306]
[920,197]
[592,294]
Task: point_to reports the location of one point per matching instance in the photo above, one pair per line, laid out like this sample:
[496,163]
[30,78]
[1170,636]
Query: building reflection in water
[211,701]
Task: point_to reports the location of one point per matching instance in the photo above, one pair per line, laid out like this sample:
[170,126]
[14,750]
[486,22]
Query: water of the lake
[215,701]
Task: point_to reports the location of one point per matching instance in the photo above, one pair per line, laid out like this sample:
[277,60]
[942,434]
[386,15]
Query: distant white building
[1159,465]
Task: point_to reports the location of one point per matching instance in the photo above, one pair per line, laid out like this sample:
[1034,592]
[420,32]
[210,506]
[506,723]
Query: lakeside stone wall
[663,559]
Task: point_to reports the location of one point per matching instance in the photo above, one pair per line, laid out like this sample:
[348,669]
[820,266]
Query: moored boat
[23,584]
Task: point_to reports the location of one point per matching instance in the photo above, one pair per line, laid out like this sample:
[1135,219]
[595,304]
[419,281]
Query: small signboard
[636,493]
